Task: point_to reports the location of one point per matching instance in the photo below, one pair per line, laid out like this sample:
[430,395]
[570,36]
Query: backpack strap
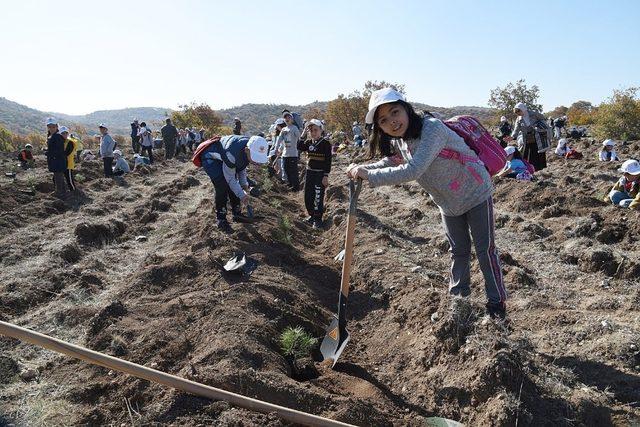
[447,153]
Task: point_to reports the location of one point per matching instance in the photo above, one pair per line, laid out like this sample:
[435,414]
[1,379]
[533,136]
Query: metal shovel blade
[334,342]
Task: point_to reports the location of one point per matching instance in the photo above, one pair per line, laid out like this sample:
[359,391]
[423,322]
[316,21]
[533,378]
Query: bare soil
[569,354]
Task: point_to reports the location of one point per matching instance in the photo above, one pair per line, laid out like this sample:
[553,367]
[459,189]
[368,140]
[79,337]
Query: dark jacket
[169,133]
[505,129]
[134,129]
[319,154]
[56,159]
[237,128]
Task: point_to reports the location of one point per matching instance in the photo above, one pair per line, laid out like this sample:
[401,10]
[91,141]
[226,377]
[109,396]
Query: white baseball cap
[562,142]
[608,142]
[51,121]
[510,149]
[118,152]
[102,125]
[63,129]
[259,147]
[379,97]
[503,119]
[631,167]
[316,122]
[280,121]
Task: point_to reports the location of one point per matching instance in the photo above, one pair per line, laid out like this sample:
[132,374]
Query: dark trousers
[314,193]
[149,151]
[181,149]
[108,166]
[291,171]
[58,181]
[169,149]
[135,143]
[224,194]
[71,181]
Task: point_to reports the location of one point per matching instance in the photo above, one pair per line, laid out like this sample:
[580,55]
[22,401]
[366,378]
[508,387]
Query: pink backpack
[489,151]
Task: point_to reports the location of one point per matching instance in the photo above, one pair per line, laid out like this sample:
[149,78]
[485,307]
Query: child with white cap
[463,191]
[515,166]
[318,167]
[608,154]
[626,192]
[70,152]
[121,166]
[226,162]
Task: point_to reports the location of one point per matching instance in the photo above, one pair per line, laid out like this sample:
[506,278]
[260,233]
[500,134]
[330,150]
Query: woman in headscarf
[524,126]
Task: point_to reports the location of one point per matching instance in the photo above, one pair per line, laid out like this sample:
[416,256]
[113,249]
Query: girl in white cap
[608,154]
[563,147]
[462,190]
[515,167]
[121,166]
[626,192]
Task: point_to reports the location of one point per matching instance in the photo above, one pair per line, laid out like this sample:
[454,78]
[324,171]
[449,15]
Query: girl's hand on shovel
[358,172]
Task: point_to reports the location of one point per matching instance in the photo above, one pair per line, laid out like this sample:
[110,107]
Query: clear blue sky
[79,56]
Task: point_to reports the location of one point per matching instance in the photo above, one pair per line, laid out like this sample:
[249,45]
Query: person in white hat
[25,157]
[226,161]
[515,167]
[276,160]
[626,192]
[458,184]
[146,141]
[56,159]
[121,166]
[563,147]
[608,154]
[107,145]
[70,145]
[533,149]
[319,158]
[287,149]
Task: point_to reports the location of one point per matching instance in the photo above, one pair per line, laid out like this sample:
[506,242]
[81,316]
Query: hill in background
[255,118]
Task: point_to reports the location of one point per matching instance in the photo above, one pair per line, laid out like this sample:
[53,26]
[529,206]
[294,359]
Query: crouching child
[626,192]
[318,167]
[225,161]
[122,166]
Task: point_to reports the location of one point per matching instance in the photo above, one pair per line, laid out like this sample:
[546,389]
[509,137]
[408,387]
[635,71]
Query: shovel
[337,335]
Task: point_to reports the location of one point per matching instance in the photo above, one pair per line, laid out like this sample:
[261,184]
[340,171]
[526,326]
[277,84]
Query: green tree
[505,98]
[558,112]
[199,116]
[581,113]
[6,140]
[619,116]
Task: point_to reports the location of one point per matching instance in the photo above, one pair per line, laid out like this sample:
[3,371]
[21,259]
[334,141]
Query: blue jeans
[620,198]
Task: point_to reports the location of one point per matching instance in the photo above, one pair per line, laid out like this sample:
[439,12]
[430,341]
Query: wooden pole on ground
[163,378]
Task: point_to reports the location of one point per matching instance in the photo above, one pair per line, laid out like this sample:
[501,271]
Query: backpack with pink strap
[489,151]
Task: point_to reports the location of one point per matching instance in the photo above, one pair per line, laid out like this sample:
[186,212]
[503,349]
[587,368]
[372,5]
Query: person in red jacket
[26,157]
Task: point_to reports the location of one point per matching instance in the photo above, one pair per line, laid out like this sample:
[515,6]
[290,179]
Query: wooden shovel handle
[354,192]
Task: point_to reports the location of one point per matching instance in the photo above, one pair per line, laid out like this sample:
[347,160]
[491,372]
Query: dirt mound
[98,234]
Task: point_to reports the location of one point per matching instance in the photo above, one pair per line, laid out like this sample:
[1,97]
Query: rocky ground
[78,270]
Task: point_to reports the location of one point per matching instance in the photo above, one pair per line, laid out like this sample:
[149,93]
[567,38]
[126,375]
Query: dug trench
[80,272]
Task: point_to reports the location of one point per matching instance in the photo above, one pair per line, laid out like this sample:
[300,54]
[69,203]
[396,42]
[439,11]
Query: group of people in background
[533,139]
